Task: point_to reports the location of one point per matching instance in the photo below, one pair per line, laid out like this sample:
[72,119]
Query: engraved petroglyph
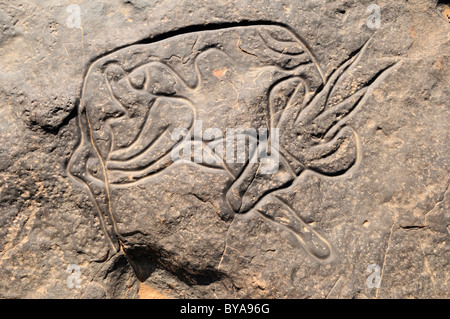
[134,98]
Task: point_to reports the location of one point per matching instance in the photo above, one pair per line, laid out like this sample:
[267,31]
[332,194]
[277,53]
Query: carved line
[85,185]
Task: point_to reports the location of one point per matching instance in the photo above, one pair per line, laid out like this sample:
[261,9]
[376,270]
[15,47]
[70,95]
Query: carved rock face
[96,96]
[237,77]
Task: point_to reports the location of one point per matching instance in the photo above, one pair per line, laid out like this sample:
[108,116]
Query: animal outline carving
[135,97]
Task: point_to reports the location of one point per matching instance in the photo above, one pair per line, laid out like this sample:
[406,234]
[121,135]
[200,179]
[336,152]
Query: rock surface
[94,205]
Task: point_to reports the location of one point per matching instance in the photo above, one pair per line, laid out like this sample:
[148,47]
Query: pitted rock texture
[94,204]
